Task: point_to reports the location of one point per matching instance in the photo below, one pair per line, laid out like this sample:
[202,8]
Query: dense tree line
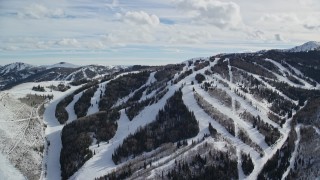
[200,65]
[215,114]
[306,62]
[244,137]
[280,105]
[265,64]
[221,95]
[252,68]
[61,87]
[133,108]
[38,88]
[82,105]
[306,164]
[278,164]
[212,130]
[86,86]
[276,118]
[247,164]
[211,166]
[200,78]
[121,87]
[79,82]
[244,79]
[137,95]
[221,68]
[125,173]
[271,133]
[262,92]
[174,123]
[183,75]
[295,93]
[156,86]
[283,107]
[295,80]
[167,72]
[307,79]
[77,137]
[308,114]
[61,113]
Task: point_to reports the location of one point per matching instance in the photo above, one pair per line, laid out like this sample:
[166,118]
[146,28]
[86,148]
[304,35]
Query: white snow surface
[53,135]
[101,163]
[8,171]
[52,158]
[15,125]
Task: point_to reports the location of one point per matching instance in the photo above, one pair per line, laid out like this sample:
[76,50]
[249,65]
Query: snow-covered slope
[246,107]
[14,67]
[8,171]
[308,46]
[20,129]
[232,83]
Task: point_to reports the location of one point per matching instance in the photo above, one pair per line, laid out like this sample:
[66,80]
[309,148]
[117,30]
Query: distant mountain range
[19,72]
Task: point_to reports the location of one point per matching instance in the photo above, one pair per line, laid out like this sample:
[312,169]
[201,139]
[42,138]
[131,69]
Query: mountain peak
[63,65]
[308,46]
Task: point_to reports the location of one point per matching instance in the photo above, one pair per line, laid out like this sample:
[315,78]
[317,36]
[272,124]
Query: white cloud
[95,45]
[141,18]
[309,3]
[256,34]
[70,42]
[214,25]
[38,11]
[280,18]
[113,4]
[188,37]
[217,13]
[123,37]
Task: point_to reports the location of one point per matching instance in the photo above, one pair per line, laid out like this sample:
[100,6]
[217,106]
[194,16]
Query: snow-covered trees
[247,164]
[174,123]
[121,87]
[200,78]
[78,136]
[82,105]
[215,114]
[38,88]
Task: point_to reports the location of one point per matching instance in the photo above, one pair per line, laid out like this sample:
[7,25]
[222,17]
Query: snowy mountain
[229,116]
[14,67]
[62,65]
[308,46]
[17,73]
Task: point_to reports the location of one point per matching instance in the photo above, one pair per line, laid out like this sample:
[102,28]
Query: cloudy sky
[149,31]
